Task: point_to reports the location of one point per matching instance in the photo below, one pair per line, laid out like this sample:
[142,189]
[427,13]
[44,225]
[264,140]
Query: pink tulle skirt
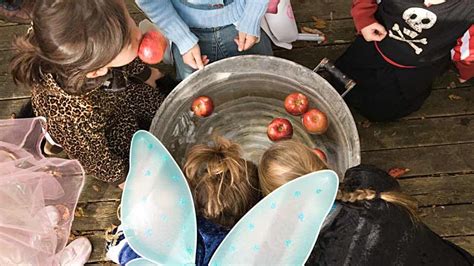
[38,196]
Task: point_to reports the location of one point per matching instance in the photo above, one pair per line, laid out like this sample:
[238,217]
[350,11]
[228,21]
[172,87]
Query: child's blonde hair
[223,184]
[287,160]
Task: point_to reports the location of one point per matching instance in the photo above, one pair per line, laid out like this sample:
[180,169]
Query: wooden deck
[436,143]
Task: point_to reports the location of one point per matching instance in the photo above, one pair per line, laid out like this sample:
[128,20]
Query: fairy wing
[157,208]
[283,227]
[140,262]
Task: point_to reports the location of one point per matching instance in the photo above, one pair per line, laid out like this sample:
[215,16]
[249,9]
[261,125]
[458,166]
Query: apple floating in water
[315,121]
[279,129]
[320,154]
[152,47]
[202,106]
[296,103]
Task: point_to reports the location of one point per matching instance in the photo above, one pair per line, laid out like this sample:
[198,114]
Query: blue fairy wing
[283,227]
[140,262]
[158,214]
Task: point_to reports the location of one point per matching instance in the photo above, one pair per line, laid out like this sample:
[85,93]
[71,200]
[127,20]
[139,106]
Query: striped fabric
[463,54]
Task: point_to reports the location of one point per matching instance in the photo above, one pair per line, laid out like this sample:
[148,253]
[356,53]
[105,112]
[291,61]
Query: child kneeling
[371,222]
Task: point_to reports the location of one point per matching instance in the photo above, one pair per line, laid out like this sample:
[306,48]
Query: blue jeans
[218,43]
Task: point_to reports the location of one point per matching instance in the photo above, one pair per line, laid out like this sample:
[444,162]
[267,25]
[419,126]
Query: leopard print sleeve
[137,69]
[73,124]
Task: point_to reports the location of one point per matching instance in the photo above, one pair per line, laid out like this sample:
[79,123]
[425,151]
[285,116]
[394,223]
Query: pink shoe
[76,253]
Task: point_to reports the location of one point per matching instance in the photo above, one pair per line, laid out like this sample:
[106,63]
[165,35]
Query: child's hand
[245,41]
[154,76]
[194,59]
[374,32]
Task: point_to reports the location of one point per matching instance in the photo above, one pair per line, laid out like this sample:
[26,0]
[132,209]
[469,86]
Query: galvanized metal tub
[248,92]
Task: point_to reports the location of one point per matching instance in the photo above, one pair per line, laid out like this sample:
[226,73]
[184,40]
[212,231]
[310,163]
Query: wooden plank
[98,243]
[417,133]
[8,33]
[95,216]
[466,242]
[96,190]
[326,9]
[453,220]
[440,190]
[439,103]
[425,161]
[9,107]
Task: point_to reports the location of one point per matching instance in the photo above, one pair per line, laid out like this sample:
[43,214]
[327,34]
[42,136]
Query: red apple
[279,129]
[320,154]
[152,47]
[202,106]
[296,103]
[315,121]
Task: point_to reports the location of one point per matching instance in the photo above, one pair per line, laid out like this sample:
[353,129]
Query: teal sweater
[175,17]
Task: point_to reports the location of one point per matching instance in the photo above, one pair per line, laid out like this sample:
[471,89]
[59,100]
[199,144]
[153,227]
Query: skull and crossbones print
[418,19]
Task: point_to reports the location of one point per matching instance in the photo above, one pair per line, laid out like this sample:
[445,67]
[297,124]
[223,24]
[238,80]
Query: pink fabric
[273,6]
[38,196]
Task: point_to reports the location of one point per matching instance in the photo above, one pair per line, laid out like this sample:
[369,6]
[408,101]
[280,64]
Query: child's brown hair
[69,39]
[223,184]
[288,160]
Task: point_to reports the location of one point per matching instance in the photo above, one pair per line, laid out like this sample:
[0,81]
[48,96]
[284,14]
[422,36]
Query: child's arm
[249,24]
[163,14]
[463,55]
[363,12]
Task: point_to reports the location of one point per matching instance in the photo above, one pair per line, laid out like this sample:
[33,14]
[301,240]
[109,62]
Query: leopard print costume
[97,128]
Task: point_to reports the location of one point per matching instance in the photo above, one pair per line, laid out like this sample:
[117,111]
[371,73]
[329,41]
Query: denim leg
[207,43]
[217,44]
[228,48]
[182,69]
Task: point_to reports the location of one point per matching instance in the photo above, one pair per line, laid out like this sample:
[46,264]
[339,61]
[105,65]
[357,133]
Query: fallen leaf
[451,85]
[311,30]
[72,237]
[397,171]
[320,24]
[64,211]
[79,212]
[366,124]
[454,97]
[95,188]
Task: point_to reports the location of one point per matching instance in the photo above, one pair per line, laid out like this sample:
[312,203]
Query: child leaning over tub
[224,187]
[372,223]
[79,58]
[204,31]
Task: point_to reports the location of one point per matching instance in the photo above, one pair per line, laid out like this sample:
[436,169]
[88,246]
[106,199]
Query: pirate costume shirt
[418,35]
[394,77]
[96,128]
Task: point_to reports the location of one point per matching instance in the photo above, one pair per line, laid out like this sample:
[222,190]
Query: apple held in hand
[152,47]
[279,129]
[202,106]
[320,154]
[315,121]
[296,103]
